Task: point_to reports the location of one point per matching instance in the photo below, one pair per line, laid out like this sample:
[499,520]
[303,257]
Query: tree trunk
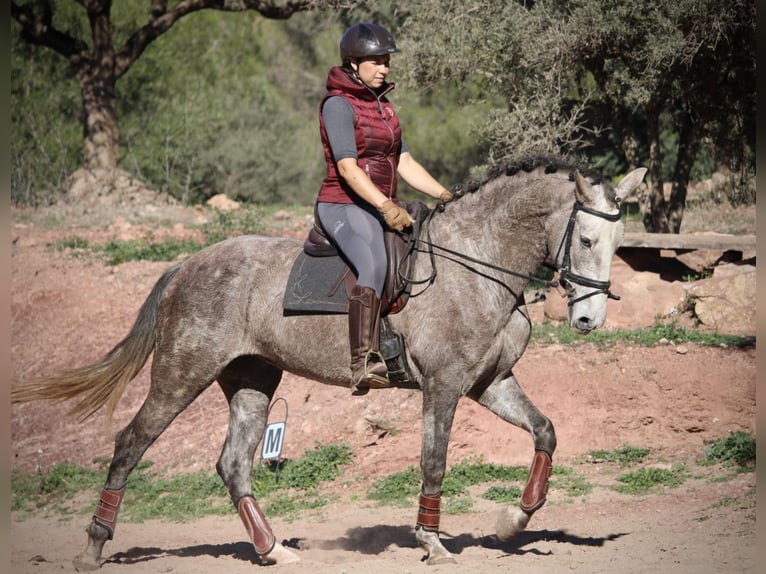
[101,134]
[654,208]
[98,85]
[690,138]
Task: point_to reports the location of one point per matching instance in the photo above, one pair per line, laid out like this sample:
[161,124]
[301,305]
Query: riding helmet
[366,39]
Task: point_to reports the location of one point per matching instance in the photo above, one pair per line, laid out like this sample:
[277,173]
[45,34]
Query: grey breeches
[358,233]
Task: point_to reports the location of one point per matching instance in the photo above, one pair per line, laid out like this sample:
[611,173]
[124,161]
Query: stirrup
[375,380]
[370,380]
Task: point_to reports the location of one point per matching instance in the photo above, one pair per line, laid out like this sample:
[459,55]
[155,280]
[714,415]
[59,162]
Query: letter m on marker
[273,440]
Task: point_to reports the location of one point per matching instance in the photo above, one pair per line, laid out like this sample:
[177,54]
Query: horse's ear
[630,182]
[584,191]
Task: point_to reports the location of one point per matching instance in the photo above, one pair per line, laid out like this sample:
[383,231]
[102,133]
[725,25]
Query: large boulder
[725,302]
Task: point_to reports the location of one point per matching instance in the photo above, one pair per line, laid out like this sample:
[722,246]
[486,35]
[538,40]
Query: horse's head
[584,257]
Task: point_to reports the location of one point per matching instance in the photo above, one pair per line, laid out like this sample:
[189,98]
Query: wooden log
[690,242]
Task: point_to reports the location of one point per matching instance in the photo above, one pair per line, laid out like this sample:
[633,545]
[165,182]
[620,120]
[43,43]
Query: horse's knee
[544,436]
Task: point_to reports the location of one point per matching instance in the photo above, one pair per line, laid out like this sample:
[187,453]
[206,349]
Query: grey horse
[218,316]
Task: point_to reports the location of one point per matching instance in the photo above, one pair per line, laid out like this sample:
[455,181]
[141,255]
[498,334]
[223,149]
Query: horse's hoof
[443,559]
[86,563]
[279,555]
[510,522]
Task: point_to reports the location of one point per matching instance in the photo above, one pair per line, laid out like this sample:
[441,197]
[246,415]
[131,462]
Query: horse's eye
[585,242]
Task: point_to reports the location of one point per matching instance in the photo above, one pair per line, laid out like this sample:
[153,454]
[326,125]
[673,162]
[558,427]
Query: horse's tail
[103,382]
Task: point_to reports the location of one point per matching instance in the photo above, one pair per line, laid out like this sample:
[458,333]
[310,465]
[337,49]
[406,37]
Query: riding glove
[396,217]
[445,197]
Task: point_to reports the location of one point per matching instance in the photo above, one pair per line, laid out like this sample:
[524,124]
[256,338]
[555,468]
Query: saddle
[320,271]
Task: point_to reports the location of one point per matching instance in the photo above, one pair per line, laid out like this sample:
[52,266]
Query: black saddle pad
[313,286]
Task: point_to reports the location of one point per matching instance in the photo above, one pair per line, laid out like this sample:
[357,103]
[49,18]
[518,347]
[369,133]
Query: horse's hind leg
[160,407]
[249,385]
[506,399]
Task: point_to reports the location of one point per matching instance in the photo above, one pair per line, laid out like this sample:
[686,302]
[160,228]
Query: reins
[566,278]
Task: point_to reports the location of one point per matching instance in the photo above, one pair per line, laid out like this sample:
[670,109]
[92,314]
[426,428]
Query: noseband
[566,277]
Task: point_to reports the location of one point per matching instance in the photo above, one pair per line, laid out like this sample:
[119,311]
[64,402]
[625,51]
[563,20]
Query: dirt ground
[67,311]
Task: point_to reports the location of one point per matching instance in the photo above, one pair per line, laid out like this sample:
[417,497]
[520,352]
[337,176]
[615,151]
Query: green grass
[571,483]
[291,488]
[560,333]
[181,497]
[625,456]
[651,480]
[400,488]
[397,489]
[737,449]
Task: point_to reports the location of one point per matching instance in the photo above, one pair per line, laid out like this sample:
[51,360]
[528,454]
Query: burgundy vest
[378,138]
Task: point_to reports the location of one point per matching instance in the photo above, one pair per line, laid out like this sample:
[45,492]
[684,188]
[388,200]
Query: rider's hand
[396,217]
[445,197]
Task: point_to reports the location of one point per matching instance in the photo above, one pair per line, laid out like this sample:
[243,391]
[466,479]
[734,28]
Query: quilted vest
[378,138]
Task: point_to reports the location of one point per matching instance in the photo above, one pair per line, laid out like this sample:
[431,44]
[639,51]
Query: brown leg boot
[367,366]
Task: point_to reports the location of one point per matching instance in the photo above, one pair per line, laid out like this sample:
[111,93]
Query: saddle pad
[310,284]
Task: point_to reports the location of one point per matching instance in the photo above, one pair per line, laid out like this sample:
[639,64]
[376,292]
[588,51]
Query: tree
[99,61]
[687,67]
[688,62]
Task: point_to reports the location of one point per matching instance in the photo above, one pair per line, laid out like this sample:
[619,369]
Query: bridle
[566,278]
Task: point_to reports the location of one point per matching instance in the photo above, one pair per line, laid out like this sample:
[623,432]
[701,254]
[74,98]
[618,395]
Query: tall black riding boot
[368,369]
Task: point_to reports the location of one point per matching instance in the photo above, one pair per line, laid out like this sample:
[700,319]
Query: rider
[364,152]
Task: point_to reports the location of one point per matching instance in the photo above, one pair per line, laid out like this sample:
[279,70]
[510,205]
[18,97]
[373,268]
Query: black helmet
[366,39]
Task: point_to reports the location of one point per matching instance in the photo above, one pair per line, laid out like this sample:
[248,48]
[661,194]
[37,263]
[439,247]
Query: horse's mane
[550,163]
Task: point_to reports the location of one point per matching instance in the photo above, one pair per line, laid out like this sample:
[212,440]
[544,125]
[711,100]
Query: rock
[282,214]
[222,203]
[726,301]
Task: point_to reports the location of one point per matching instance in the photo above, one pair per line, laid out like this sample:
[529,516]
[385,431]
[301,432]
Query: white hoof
[279,555]
[511,521]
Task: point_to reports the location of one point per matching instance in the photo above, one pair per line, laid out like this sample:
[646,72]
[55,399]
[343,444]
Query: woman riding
[364,152]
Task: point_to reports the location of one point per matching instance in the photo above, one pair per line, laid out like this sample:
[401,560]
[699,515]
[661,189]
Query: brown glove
[445,197]
[396,217]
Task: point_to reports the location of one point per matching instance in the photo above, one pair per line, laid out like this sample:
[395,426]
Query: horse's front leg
[506,399]
[438,415]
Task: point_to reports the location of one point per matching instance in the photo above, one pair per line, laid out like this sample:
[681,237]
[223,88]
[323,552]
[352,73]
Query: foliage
[184,496]
[44,141]
[400,487]
[397,488]
[570,482]
[472,471]
[610,79]
[33,490]
[660,333]
[653,479]
[237,114]
[480,81]
[625,456]
[322,464]
[504,494]
[738,448]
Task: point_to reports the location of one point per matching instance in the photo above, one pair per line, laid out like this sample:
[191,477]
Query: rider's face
[372,70]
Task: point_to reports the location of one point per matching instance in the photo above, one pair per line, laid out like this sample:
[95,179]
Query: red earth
[69,309]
